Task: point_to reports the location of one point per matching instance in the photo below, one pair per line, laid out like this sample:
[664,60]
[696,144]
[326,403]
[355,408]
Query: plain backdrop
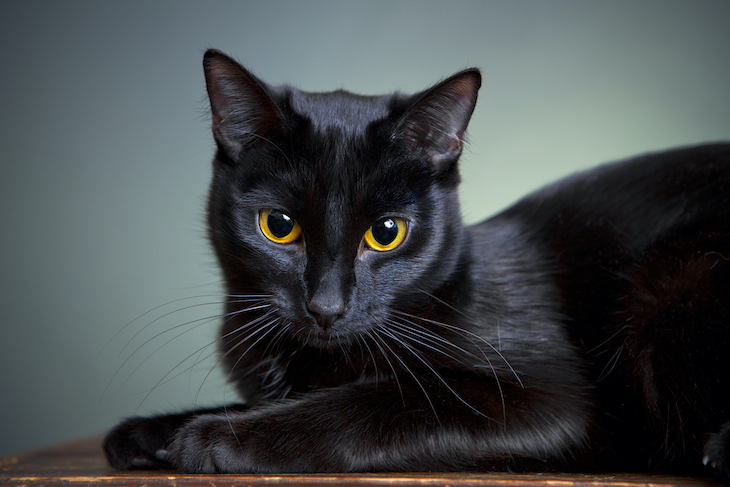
[106,148]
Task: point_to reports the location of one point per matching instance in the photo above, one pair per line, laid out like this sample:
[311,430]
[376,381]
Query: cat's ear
[434,126]
[243,112]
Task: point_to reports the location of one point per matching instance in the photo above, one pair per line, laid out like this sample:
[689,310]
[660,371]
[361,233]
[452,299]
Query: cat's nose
[326,311]
[325,321]
[328,301]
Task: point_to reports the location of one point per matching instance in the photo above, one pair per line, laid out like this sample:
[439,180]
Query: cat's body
[367,329]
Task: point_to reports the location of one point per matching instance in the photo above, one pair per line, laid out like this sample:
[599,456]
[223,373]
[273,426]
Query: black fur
[584,328]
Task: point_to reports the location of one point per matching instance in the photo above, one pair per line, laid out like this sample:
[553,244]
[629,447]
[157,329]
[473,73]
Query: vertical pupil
[385,231]
[280,224]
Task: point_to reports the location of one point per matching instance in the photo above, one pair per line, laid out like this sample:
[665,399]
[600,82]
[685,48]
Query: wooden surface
[82,463]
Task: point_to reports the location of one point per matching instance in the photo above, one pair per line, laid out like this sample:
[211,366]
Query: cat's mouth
[334,336]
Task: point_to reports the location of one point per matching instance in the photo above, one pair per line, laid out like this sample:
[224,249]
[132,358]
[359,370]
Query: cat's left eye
[279,227]
[386,234]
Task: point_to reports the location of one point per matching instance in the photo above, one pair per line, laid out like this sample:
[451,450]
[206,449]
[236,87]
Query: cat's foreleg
[717,452]
[141,443]
[385,427]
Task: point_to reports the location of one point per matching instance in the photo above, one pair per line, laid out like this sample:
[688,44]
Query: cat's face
[328,211]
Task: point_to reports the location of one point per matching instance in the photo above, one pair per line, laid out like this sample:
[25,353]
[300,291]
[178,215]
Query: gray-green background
[105,151]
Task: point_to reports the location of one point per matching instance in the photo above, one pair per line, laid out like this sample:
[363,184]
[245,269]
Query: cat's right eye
[279,227]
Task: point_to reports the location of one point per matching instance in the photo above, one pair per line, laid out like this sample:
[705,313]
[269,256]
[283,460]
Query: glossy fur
[586,327]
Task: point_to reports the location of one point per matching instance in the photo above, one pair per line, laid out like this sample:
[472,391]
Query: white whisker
[169,375]
[381,330]
[253,303]
[435,342]
[420,358]
[434,337]
[158,318]
[469,335]
[383,354]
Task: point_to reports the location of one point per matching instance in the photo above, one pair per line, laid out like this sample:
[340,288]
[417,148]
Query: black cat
[586,327]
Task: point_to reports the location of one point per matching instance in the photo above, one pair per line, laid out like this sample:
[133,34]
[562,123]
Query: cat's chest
[316,369]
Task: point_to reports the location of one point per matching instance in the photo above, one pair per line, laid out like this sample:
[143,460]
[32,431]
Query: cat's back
[600,233]
[665,188]
[596,225]
[637,255]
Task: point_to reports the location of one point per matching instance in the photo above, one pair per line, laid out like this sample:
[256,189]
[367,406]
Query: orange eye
[386,234]
[279,227]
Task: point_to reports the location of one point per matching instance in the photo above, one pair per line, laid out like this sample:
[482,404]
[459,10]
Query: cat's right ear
[243,113]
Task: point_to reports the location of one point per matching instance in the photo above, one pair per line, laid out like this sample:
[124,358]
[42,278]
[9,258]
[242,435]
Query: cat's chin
[316,337]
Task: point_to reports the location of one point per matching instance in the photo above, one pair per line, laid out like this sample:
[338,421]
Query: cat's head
[329,210]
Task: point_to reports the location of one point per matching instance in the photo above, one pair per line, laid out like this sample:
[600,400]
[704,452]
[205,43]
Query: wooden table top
[82,463]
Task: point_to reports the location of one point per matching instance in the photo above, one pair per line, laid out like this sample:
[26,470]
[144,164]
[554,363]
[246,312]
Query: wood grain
[82,463]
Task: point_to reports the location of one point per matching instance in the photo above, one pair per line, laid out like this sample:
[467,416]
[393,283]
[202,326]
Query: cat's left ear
[433,127]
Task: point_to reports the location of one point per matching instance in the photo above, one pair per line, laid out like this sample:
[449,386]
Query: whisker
[372,356]
[268,351]
[271,325]
[185,308]
[439,344]
[610,365]
[202,322]
[239,330]
[430,367]
[208,320]
[381,330]
[431,336]
[467,334]
[152,311]
[198,322]
[383,354]
[253,300]
[441,301]
[169,377]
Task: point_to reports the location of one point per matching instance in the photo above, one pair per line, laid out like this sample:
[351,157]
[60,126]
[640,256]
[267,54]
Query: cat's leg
[717,452]
[141,443]
[387,427]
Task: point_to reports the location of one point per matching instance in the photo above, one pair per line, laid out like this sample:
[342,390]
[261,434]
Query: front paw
[717,452]
[211,444]
[138,443]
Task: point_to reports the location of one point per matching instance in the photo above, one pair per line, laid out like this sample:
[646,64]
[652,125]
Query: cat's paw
[210,444]
[717,452]
[138,443]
